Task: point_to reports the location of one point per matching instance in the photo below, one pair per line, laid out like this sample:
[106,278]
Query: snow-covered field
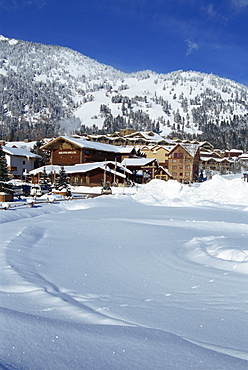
[158,279]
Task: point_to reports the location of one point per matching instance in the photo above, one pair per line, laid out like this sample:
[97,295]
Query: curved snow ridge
[218,252]
[19,213]
[218,190]
[21,271]
[225,351]
[24,275]
[190,224]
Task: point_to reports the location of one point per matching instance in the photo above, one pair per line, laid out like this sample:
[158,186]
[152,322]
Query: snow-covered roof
[190,148]
[82,143]
[20,152]
[219,160]
[82,168]
[235,151]
[210,154]
[244,155]
[21,144]
[165,170]
[137,161]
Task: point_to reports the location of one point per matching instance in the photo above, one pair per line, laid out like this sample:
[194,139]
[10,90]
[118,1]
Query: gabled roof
[147,135]
[82,168]
[217,160]
[161,168]
[191,149]
[137,161]
[19,152]
[82,143]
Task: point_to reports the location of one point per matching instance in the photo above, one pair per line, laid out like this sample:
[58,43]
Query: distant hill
[48,90]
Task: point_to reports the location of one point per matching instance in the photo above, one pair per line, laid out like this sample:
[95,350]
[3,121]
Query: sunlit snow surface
[158,279]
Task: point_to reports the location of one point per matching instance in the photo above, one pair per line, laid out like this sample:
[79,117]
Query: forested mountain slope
[47,90]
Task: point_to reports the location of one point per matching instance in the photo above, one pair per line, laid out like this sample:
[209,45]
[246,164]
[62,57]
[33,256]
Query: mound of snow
[218,190]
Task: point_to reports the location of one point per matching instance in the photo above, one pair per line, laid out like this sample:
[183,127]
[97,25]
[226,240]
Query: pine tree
[61,180]
[3,166]
[44,180]
[3,171]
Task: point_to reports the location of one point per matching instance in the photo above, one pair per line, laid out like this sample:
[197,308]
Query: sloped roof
[165,170]
[19,152]
[80,168]
[137,161]
[219,160]
[190,148]
[87,144]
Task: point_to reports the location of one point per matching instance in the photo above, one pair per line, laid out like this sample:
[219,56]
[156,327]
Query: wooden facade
[183,162]
[69,151]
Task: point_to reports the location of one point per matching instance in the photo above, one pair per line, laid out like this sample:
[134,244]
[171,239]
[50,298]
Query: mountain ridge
[50,89]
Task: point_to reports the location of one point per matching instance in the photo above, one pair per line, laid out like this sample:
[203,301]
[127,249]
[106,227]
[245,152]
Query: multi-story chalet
[160,152]
[19,161]
[217,164]
[183,162]
[65,151]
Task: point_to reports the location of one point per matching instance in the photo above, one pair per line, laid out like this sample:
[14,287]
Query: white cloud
[211,11]
[191,46]
[17,4]
[240,3]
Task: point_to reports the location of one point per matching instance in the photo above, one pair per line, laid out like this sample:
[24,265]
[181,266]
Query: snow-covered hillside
[152,280]
[48,89]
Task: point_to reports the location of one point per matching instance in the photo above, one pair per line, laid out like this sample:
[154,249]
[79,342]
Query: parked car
[39,190]
[20,190]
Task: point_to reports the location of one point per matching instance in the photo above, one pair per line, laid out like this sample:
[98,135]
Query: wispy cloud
[18,4]
[240,3]
[191,47]
[210,10]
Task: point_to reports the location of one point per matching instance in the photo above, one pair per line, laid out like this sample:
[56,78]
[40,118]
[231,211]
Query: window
[23,162]
[178,155]
[187,167]
[174,160]
[187,173]
[174,167]
[174,173]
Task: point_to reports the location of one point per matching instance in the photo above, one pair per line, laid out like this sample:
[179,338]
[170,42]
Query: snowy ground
[152,280]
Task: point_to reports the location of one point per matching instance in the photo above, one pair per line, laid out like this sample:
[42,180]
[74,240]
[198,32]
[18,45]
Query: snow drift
[117,282]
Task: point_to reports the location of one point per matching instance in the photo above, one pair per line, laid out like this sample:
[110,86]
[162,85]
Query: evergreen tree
[44,180]
[61,180]
[44,155]
[3,167]
[3,172]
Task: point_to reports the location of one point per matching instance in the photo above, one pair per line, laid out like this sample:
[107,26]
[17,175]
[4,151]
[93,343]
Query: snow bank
[219,252]
[218,190]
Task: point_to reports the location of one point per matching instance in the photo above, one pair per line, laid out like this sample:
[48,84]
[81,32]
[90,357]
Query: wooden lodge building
[143,154]
[87,174]
[67,151]
[179,161]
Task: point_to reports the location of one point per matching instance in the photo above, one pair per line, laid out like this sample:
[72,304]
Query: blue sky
[133,35]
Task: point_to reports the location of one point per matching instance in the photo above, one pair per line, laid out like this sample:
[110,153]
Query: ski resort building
[184,161]
[87,174]
[66,151]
